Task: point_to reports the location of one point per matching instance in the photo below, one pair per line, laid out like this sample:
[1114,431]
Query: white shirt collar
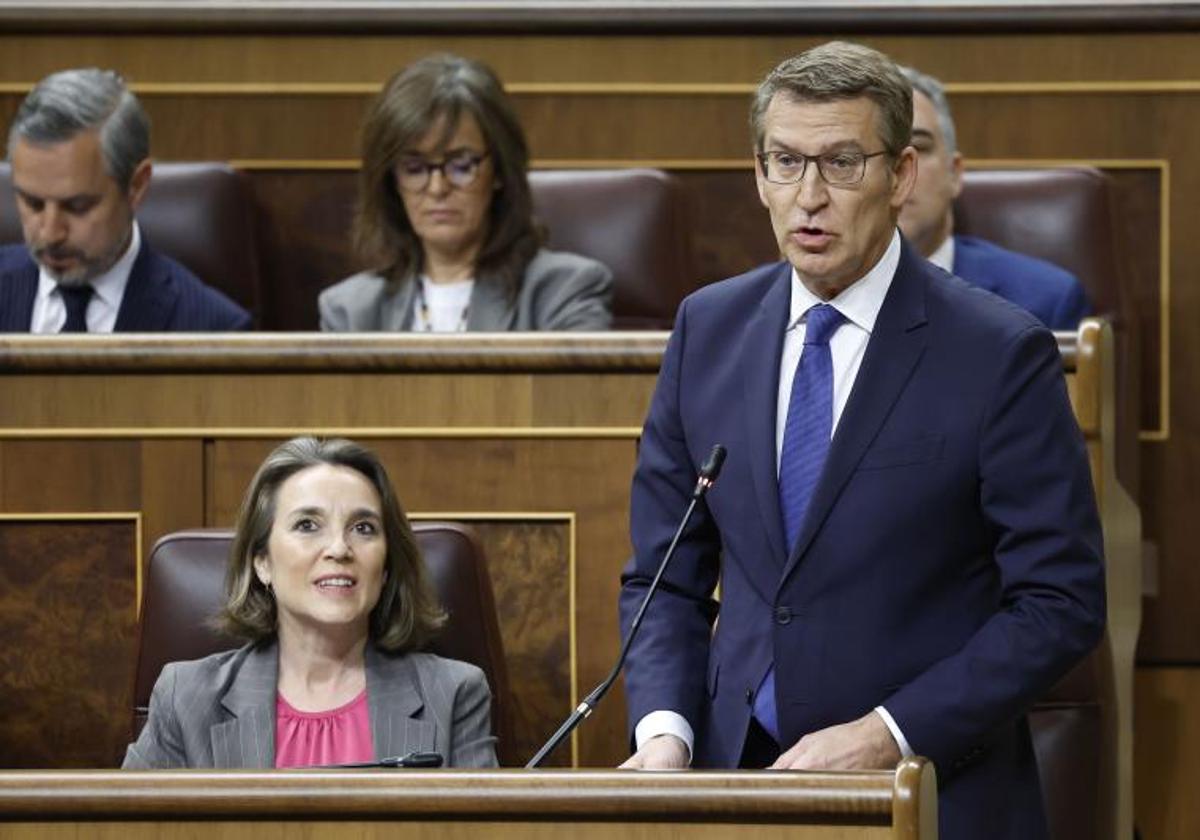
[109,287]
[943,257]
[859,302]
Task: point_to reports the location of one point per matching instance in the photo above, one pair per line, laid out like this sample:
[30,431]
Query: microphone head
[711,467]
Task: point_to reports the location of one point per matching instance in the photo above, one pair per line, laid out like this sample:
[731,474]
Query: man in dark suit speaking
[905,532]
[80,153]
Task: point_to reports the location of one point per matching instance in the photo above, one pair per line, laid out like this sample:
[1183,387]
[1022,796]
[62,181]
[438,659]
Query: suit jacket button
[783,615]
[749,696]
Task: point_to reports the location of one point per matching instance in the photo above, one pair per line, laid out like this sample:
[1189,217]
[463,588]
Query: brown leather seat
[1074,738]
[184,589]
[1061,214]
[633,221]
[197,213]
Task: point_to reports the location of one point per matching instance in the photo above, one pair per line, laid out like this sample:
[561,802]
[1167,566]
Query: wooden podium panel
[467,805]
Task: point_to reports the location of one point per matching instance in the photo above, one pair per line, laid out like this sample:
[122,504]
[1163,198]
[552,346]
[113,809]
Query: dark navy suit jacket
[950,564]
[1053,294]
[161,296]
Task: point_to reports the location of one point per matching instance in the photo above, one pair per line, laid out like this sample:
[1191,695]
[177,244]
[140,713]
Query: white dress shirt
[943,256]
[50,312]
[859,304]
[446,305]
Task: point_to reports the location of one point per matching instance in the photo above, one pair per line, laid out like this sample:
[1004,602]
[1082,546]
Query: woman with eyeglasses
[445,218]
[326,585]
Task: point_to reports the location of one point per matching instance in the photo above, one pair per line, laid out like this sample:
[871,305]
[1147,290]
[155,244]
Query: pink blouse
[311,739]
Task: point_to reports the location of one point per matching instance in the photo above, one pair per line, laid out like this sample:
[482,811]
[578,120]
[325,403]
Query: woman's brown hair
[436,92]
[407,612]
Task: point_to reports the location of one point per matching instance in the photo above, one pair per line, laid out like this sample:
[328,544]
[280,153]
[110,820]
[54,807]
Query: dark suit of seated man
[905,531]
[1051,293]
[80,154]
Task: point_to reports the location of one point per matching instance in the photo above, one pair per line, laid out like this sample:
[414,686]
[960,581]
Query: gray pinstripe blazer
[220,711]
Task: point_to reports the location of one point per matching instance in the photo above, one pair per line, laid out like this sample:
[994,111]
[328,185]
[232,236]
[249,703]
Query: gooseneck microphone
[707,477]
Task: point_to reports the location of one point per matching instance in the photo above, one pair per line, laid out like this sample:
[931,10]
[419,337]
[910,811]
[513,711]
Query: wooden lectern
[491,805]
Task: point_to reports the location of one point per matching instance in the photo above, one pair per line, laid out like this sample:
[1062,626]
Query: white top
[445,307]
[859,304]
[943,257]
[50,312]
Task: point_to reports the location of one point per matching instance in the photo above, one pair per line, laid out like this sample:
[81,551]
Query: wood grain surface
[67,617]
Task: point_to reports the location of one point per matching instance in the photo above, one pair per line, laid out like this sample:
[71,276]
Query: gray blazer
[560,291]
[220,711]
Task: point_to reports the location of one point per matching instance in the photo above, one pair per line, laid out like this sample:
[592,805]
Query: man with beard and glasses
[79,147]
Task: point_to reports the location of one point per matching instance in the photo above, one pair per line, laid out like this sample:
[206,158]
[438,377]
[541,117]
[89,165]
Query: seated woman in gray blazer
[326,583]
[445,218]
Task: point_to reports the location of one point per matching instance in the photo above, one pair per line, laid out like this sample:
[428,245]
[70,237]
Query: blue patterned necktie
[805,444]
[76,299]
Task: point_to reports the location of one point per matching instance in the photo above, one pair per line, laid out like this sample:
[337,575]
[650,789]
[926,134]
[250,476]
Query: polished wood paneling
[530,564]
[161,479]
[289,58]
[345,401]
[1168,763]
[67,595]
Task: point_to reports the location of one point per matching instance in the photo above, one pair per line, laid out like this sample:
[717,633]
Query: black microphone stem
[708,476]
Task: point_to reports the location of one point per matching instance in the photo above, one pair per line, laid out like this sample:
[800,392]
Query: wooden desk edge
[723,796]
[377,352]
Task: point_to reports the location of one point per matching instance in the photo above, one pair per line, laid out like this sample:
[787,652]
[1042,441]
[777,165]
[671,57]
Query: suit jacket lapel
[247,739]
[394,699]
[149,299]
[760,377]
[895,346]
[18,290]
[396,314]
[490,308]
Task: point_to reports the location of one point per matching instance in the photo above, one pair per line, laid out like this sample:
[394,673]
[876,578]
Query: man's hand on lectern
[863,744]
[663,752]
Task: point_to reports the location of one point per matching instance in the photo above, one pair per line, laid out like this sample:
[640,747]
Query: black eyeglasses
[840,169]
[459,169]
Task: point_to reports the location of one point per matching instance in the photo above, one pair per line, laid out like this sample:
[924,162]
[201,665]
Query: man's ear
[139,182]
[905,174]
[956,172]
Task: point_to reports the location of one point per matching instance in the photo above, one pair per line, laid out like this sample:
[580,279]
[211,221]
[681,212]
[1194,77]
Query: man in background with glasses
[1051,293]
[905,532]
